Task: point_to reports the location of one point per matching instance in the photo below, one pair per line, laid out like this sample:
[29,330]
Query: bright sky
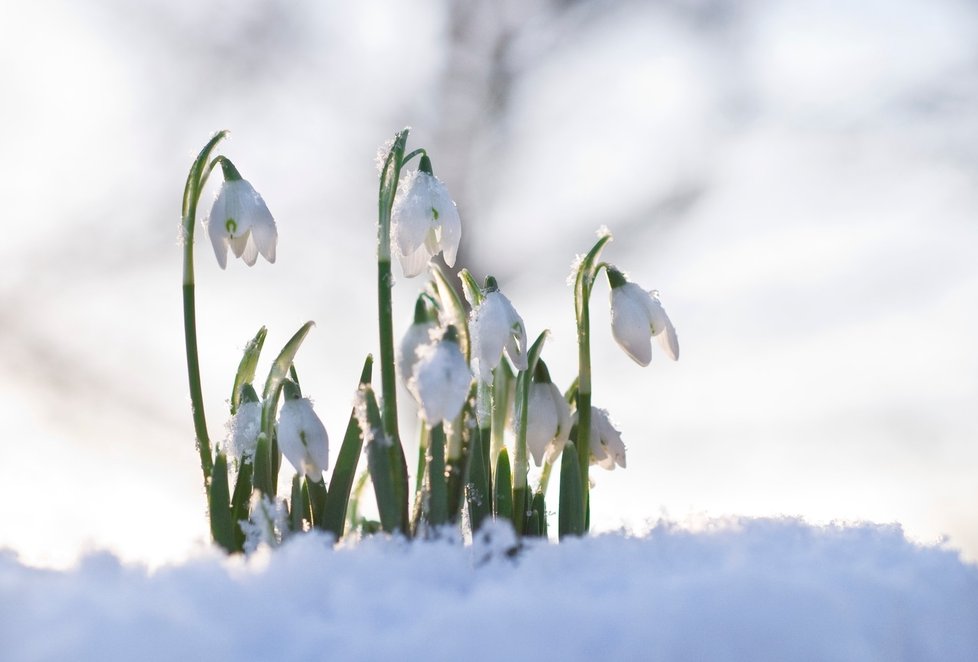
[798,182]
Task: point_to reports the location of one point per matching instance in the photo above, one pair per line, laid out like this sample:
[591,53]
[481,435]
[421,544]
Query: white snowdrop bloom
[637,317]
[424,221]
[302,438]
[607,448]
[495,325]
[243,429]
[417,336]
[240,219]
[548,422]
[441,379]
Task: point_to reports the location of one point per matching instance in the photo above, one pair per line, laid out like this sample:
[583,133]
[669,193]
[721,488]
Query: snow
[748,589]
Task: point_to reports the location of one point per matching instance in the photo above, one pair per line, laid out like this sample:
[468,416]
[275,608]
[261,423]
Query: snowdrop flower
[637,317]
[441,379]
[548,418]
[424,220]
[607,448]
[417,335]
[240,219]
[302,437]
[495,325]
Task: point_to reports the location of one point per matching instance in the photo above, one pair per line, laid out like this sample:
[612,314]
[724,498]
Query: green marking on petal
[231,226]
[435,212]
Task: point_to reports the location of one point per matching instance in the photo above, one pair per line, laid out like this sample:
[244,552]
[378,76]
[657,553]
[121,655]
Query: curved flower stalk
[548,419]
[424,220]
[607,448]
[637,316]
[495,326]
[302,436]
[239,219]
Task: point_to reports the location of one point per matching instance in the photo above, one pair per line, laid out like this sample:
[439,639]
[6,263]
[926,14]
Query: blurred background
[799,180]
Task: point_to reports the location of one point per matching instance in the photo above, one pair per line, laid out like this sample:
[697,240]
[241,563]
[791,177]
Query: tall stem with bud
[196,179]
[587,271]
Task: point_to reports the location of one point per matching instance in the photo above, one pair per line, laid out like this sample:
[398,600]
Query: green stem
[388,186]
[437,489]
[587,272]
[191,196]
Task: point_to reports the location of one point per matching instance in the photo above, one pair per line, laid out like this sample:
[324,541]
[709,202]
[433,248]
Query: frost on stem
[368,432]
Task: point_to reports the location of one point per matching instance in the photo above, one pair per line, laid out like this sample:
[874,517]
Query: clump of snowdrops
[469,366]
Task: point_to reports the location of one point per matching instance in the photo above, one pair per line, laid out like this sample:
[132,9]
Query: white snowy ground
[756,590]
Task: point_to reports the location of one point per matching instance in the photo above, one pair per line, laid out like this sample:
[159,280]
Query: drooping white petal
[630,324]
[441,381]
[450,224]
[263,230]
[556,445]
[489,326]
[250,254]
[423,215]
[240,220]
[414,338]
[607,448]
[411,216]
[668,340]
[548,422]
[516,342]
[302,438]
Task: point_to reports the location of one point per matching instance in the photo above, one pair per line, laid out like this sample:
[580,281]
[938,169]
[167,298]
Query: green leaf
[477,481]
[247,367]
[538,518]
[437,488]
[502,497]
[341,482]
[268,459]
[571,515]
[520,463]
[219,504]
[317,496]
[263,466]
[296,504]
[451,304]
[470,288]
[379,464]
[240,501]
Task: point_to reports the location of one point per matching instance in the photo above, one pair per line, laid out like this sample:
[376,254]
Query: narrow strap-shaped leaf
[520,462]
[502,496]
[570,516]
[239,502]
[295,504]
[316,495]
[452,306]
[437,487]
[263,466]
[341,482]
[477,481]
[470,288]
[539,515]
[219,503]
[269,459]
[379,464]
[247,367]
